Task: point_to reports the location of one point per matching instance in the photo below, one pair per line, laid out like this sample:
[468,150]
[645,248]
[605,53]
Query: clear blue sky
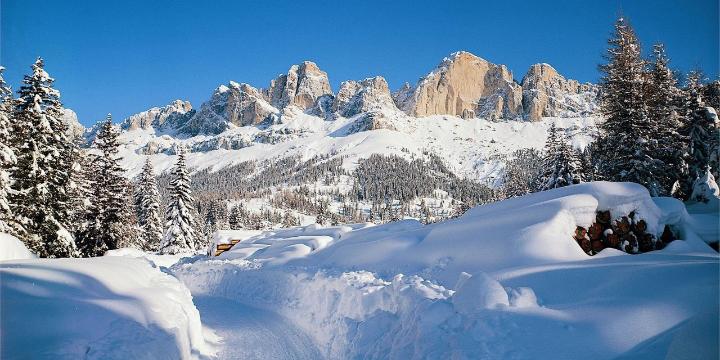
[126,56]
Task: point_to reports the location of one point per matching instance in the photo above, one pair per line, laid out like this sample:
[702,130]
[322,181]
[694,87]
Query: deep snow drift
[504,281]
[99,308]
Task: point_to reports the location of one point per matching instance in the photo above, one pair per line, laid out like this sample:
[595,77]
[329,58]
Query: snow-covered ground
[504,281]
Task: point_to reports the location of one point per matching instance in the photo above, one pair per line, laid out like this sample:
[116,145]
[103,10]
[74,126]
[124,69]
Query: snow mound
[506,280]
[11,248]
[99,308]
[705,188]
[164,260]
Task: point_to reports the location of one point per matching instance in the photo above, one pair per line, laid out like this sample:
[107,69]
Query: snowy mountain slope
[299,114]
[469,147]
[504,281]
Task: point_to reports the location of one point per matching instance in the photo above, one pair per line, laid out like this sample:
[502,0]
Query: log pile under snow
[627,233]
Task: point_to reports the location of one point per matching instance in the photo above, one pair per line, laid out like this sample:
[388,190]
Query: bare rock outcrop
[547,93]
[464,85]
[301,86]
[173,114]
[356,97]
[235,104]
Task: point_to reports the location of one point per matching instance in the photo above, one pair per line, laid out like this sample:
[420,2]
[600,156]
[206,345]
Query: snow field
[97,308]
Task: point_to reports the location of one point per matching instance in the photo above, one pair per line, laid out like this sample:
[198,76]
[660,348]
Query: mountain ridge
[462,85]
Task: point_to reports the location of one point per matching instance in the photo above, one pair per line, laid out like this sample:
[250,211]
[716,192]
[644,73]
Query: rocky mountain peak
[355,97]
[172,114]
[464,85]
[547,93]
[237,104]
[303,84]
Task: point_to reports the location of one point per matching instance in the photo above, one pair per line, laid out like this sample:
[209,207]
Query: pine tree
[234,218]
[7,158]
[113,225]
[625,146]
[522,172]
[700,131]
[147,207]
[42,173]
[321,215]
[662,95]
[88,237]
[179,234]
[560,164]
[129,230]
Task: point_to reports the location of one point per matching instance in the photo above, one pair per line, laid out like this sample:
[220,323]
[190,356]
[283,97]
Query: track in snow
[252,333]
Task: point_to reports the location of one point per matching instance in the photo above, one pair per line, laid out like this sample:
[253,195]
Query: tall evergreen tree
[234,219]
[7,157]
[179,234]
[42,173]
[625,146]
[147,207]
[662,97]
[109,196]
[522,172]
[561,166]
[700,131]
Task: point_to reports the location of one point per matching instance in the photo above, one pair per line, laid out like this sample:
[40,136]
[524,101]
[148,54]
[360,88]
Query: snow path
[252,333]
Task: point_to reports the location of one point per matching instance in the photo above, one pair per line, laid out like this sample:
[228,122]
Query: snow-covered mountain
[467,111]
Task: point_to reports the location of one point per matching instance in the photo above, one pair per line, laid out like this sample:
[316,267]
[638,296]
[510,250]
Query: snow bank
[164,260]
[99,308]
[11,248]
[505,280]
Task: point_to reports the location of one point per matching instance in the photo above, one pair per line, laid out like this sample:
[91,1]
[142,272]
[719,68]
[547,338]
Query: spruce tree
[7,157]
[179,234]
[89,235]
[110,195]
[700,131]
[662,97]
[147,207]
[625,145]
[234,218]
[561,166]
[42,172]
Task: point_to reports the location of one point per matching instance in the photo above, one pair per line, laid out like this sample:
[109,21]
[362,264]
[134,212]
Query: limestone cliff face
[370,98]
[301,86]
[467,86]
[236,104]
[173,114]
[547,93]
[356,97]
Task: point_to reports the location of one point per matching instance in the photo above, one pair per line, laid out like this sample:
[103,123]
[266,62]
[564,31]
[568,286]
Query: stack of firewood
[627,233]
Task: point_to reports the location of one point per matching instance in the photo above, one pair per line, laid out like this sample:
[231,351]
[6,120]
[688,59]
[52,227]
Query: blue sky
[123,57]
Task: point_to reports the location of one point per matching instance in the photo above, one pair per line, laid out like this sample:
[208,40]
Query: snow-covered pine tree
[234,218]
[662,96]
[147,207]
[521,172]
[624,146]
[42,172]
[111,196]
[700,131]
[88,237]
[322,217]
[7,157]
[79,189]
[561,167]
[179,234]
[129,230]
